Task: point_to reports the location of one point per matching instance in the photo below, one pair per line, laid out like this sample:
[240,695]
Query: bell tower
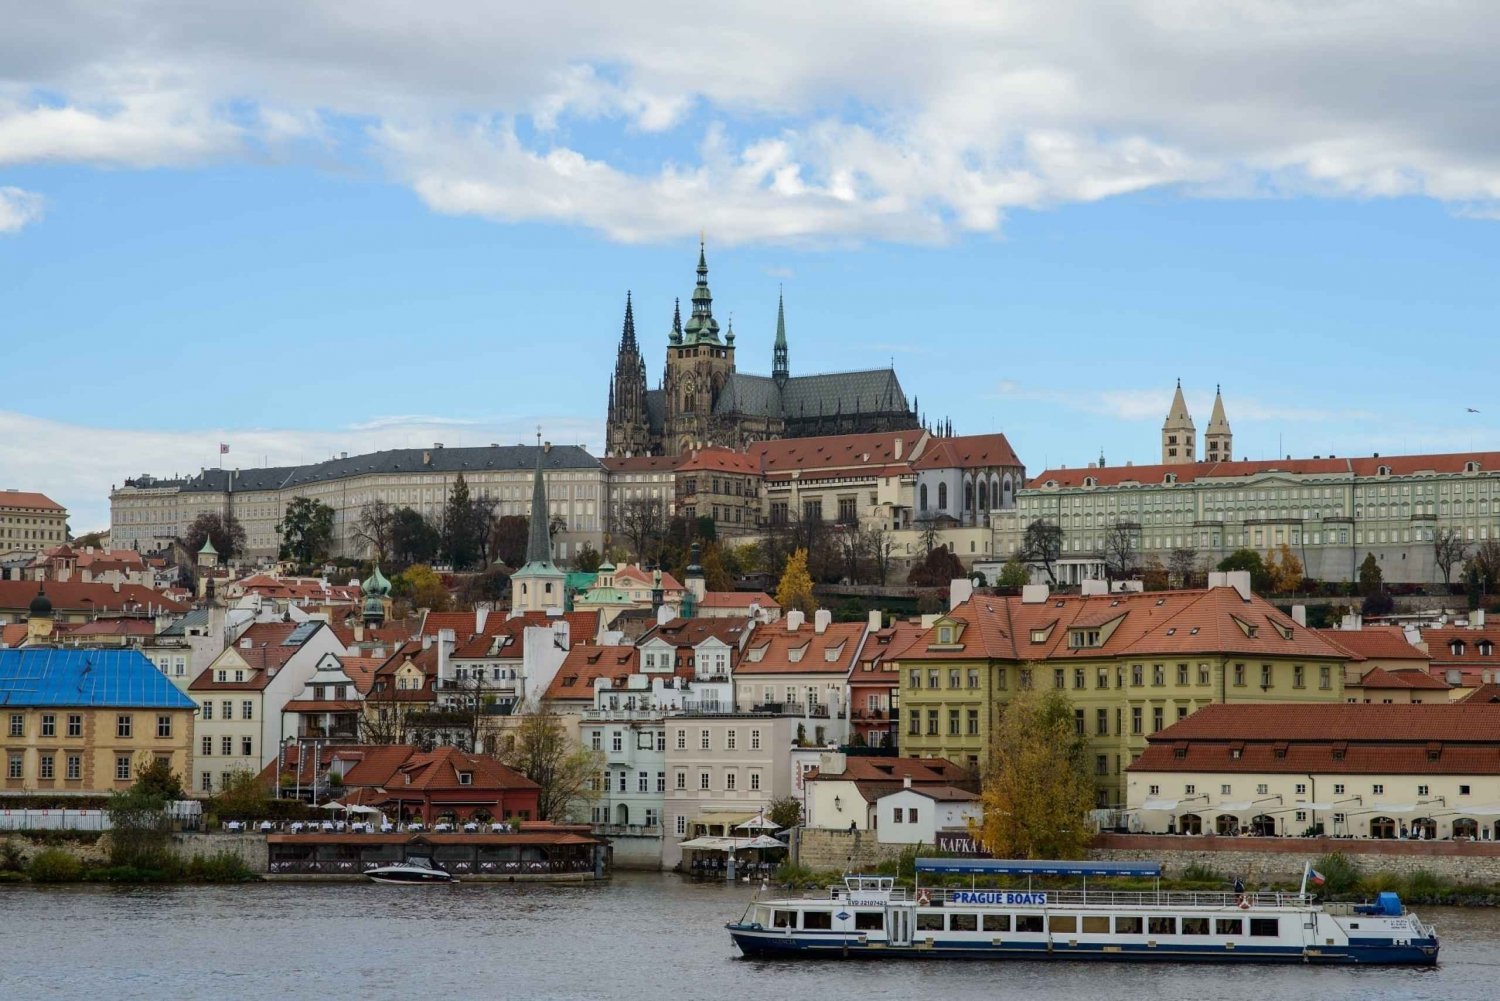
[1178,435]
[699,364]
[1218,440]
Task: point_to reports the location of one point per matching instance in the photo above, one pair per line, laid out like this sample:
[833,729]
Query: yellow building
[30,522]
[84,722]
[1131,664]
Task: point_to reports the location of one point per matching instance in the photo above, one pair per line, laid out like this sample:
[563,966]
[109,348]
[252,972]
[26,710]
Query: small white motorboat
[417,869]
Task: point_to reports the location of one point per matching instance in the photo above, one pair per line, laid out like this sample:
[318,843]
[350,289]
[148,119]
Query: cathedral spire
[780,368]
[701,325]
[675,337]
[627,336]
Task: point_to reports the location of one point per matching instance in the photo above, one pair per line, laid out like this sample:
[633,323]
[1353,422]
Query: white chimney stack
[446,640]
[794,620]
[1034,594]
[822,618]
[960,590]
[1299,615]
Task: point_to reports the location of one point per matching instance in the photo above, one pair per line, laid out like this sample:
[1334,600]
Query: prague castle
[703,400]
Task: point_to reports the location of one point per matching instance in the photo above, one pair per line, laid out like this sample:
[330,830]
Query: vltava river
[641,936]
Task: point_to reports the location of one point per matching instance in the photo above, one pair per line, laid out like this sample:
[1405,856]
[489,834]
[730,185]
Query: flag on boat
[1316,876]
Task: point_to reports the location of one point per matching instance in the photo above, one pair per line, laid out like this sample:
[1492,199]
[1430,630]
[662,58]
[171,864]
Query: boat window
[1265,927]
[1195,926]
[1229,926]
[1162,926]
[781,919]
[1127,925]
[963,922]
[997,922]
[929,922]
[1095,924]
[869,921]
[1028,922]
[1065,923]
[817,920]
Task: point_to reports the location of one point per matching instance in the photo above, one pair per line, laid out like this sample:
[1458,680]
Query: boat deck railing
[1102,898]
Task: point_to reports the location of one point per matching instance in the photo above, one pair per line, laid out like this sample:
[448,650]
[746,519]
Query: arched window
[968,494]
[1227,823]
[922,497]
[1382,827]
[1005,497]
[687,403]
[1465,827]
[1426,825]
[942,496]
[1190,823]
[1263,825]
[984,496]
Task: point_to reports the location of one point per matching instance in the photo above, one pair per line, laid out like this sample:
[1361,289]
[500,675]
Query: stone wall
[251,848]
[635,852]
[840,850]
[1283,858]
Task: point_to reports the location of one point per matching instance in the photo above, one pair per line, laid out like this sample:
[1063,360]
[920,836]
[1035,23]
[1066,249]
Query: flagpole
[1306,868]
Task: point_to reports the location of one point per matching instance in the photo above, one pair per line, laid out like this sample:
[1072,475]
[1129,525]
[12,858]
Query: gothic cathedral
[703,400]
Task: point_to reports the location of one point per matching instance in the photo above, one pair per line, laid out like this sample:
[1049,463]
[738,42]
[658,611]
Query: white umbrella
[764,841]
[757,823]
[364,809]
[333,804]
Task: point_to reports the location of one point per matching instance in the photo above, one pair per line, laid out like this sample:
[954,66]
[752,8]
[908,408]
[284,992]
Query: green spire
[539,541]
[780,368]
[701,325]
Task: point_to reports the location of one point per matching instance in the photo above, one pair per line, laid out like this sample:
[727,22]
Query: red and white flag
[223,448]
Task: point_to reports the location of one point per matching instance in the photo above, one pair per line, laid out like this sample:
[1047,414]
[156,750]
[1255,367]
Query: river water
[640,936]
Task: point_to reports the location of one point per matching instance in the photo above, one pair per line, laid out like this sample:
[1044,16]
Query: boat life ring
[1244,902]
[923,898]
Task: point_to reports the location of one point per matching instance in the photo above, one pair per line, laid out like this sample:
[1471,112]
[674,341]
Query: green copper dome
[376,585]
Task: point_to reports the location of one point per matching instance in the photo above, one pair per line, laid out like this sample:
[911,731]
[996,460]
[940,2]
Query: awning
[1487,810]
[712,844]
[1235,807]
[1036,867]
[1393,807]
[1160,804]
[729,818]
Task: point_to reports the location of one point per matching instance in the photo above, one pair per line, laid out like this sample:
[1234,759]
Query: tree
[854,550]
[588,559]
[373,530]
[927,533]
[224,531]
[1154,575]
[1448,550]
[1122,544]
[1485,562]
[1182,564]
[1370,576]
[413,538]
[466,526]
[1284,570]
[543,753]
[937,570]
[1014,573]
[1379,603]
[796,589]
[306,530]
[508,540]
[715,577]
[639,522]
[882,546]
[784,811]
[241,795]
[94,539]
[1037,790]
[1042,544]
[1248,560]
[156,778]
[421,585]
[140,829]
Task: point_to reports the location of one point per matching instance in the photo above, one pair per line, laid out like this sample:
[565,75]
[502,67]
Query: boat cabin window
[817,920]
[1064,923]
[1128,926]
[929,922]
[869,920]
[782,919]
[1229,926]
[1265,927]
[997,922]
[1095,924]
[1162,926]
[1195,926]
[1029,922]
[963,922]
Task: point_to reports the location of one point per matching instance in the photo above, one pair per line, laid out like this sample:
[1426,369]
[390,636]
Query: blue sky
[386,236]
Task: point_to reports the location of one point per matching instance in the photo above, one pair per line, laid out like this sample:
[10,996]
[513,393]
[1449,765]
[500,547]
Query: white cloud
[79,464]
[18,209]
[835,121]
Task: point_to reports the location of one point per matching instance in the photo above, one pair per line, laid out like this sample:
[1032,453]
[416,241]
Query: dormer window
[1383,471]
[1486,648]
[1039,635]
[945,634]
[1084,638]
[1471,466]
[465,778]
[1456,648]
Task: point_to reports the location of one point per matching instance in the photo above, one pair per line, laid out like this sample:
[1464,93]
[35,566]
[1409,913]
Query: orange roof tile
[1399,465]
[574,680]
[776,650]
[718,460]
[76,596]
[967,452]
[1374,643]
[737,599]
[845,451]
[27,500]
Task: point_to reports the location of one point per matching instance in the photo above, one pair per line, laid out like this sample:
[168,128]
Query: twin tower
[1179,436]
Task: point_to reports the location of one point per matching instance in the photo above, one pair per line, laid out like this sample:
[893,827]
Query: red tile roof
[719,460]
[868,452]
[967,452]
[633,575]
[639,463]
[1374,643]
[1379,677]
[30,501]
[737,599]
[1457,646]
[267,652]
[463,624]
[919,770]
[774,649]
[439,769]
[1399,465]
[75,596]
[574,680]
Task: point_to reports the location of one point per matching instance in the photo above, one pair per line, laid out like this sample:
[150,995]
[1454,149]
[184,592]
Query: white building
[914,815]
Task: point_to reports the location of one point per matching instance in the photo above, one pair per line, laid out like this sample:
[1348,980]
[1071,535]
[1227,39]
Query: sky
[301,227]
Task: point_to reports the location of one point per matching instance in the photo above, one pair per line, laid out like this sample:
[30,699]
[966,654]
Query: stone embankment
[840,850]
[1283,858]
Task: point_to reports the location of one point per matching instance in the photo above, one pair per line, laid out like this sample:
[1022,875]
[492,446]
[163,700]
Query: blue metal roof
[122,679]
[1035,867]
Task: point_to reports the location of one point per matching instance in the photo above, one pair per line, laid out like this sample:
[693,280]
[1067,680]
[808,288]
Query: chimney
[960,590]
[481,615]
[794,620]
[446,640]
[898,447]
[1476,618]
[877,621]
[1033,594]
[1092,587]
[1454,678]
[1240,581]
[906,781]
[822,618]
[1299,615]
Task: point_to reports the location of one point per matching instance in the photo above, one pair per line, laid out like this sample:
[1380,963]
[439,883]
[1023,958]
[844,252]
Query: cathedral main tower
[699,365]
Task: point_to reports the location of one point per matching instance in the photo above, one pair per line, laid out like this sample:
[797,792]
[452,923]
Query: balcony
[815,711]
[642,715]
[707,706]
[628,830]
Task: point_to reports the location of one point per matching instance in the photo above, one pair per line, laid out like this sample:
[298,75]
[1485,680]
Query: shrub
[54,865]
[1340,873]
[1381,882]
[220,867]
[1425,885]
[11,859]
[1197,872]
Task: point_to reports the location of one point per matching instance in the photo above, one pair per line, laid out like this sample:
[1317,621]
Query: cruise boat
[870,916]
[416,869]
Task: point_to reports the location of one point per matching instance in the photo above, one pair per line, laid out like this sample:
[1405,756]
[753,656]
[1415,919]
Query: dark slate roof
[197,618]
[871,391]
[96,678]
[396,460]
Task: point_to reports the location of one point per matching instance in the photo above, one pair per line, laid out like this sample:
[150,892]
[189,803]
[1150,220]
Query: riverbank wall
[840,850]
[248,848]
[1283,858]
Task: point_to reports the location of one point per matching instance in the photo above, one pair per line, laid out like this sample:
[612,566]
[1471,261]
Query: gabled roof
[29,501]
[1374,643]
[48,676]
[76,596]
[574,680]
[870,452]
[776,650]
[1441,646]
[919,770]
[975,451]
[1379,677]
[688,633]
[737,599]
[718,460]
[428,771]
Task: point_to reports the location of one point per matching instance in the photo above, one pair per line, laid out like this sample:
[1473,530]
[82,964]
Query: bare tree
[543,753]
[854,550]
[1042,545]
[373,529]
[882,547]
[1122,544]
[927,531]
[1182,564]
[1448,550]
[641,522]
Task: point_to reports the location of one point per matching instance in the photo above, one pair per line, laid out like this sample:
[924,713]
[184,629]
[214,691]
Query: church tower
[538,585]
[1178,433]
[699,364]
[781,369]
[1218,440]
[627,429]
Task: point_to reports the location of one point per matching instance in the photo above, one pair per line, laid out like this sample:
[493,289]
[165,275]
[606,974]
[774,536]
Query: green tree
[784,811]
[1370,575]
[413,538]
[1042,545]
[508,540]
[421,585]
[588,559]
[306,530]
[140,830]
[242,795]
[544,753]
[796,589]
[1248,560]
[1284,570]
[1014,573]
[156,778]
[1038,789]
[225,531]
[466,526]
[715,576]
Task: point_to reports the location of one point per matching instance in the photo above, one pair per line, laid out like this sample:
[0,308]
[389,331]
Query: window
[1422,790]
[1135,719]
[973,678]
[682,780]
[1301,788]
[1239,674]
[1265,927]
[623,773]
[247,709]
[754,740]
[914,724]
[731,737]
[755,781]
[729,780]
[226,745]
[1195,926]
[703,780]
[973,722]
[681,825]
[164,726]
[1066,924]
[1025,679]
[75,766]
[1377,789]
[247,746]
[1161,926]
[1058,676]
[49,724]
[1297,676]
[1029,923]
[682,740]
[1265,675]
[1127,925]
[75,725]
[1182,674]
[122,726]
[1224,789]
[1158,675]
[1136,675]
[932,722]
[953,722]
[914,679]
[1080,678]
[616,740]
[122,768]
[15,769]
[1156,718]
[208,713]
[226,709]
[594,740]
[997,922]
[1463,790]
[1101,680]
[1101,722]
[897,814]
[703,740]
[1325,678]
[1229,926]
[206,783]
[1078,722]
[208,747]
[869,921]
